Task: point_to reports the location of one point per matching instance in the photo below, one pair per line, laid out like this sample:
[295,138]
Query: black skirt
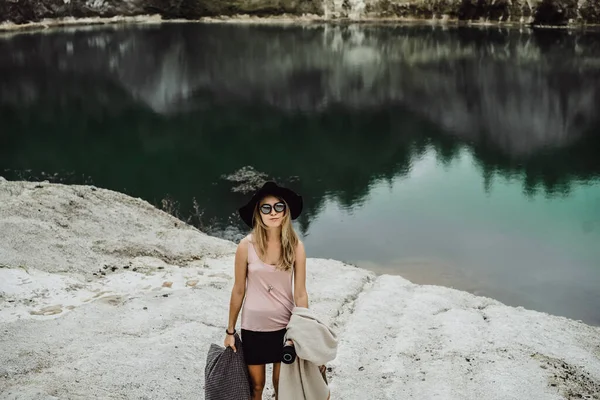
[263,347]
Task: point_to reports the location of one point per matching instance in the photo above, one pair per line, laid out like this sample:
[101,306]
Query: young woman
[270,275]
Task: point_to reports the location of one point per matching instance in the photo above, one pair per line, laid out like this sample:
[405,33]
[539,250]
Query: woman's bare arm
[238,292]
[300,295]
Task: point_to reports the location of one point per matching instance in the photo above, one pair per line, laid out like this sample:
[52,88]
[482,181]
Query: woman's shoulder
[245,240]
[243,243]
[242,248]
[300,247]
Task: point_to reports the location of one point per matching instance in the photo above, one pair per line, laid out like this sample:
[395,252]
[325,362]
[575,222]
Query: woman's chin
[273,224]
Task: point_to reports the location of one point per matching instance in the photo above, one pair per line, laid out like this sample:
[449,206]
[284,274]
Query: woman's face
[272,210]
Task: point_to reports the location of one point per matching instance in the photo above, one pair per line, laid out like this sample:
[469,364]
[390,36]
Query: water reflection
[336,112]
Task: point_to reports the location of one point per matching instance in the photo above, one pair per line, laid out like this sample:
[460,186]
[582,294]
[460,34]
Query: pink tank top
[269,299]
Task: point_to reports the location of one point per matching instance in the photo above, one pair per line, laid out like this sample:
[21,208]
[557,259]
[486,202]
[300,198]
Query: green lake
[463,157]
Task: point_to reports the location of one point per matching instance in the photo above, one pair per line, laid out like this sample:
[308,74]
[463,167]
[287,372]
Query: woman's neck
[274,235]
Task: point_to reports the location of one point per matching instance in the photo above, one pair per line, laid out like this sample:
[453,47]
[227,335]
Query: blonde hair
[289,238]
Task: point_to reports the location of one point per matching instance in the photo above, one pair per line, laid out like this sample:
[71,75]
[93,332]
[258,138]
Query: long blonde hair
[289,238]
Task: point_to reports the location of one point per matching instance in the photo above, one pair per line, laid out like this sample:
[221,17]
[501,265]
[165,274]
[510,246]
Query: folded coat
[315,344]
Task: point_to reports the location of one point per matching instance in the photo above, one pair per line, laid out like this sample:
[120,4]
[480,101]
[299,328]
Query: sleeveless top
[269,299]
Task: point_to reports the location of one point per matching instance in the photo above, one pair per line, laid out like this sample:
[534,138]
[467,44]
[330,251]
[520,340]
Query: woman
[267,263]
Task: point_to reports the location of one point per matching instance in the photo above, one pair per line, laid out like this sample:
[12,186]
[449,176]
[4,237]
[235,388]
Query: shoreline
[67,22]
[98,278]
[53,24]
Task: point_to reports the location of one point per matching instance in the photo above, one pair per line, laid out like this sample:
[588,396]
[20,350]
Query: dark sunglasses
[266,208]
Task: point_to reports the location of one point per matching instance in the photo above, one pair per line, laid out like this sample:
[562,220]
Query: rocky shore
[104,296]
[525,12]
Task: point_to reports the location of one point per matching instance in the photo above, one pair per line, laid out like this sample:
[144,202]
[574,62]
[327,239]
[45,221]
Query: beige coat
[315,344]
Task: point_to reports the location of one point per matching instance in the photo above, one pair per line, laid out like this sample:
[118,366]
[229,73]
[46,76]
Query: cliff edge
[531,12]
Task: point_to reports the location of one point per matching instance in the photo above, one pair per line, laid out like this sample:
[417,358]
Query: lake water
[465,157]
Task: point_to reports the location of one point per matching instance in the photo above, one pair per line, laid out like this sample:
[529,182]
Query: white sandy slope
[142,332]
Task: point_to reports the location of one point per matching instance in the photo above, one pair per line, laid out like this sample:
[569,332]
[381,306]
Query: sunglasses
[266,208]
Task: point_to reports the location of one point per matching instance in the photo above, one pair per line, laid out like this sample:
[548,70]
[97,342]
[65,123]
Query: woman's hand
[230,342]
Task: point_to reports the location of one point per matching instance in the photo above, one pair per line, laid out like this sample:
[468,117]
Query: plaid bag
[226,374]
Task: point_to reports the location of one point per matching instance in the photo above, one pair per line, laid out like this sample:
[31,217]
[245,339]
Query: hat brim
[293,200]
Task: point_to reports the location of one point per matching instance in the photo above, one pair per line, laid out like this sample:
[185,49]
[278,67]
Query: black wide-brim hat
[293,200]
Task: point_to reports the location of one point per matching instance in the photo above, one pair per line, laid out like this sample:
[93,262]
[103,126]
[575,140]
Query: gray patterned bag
[226,374]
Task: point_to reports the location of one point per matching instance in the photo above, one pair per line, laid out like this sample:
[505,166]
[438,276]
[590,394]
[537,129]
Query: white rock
[66,333]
